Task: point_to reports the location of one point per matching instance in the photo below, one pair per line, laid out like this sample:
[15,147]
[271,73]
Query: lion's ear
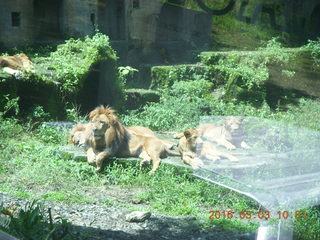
[187,133]
[92,114]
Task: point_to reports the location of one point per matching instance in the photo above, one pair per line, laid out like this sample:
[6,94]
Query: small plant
[244,74]
[9,105]
[48,134]
[31,223]
[37,114]
[124,73]
[73,114]
[314,47]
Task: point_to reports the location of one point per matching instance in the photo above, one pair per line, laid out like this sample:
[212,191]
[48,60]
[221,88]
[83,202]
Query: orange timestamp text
[265,215]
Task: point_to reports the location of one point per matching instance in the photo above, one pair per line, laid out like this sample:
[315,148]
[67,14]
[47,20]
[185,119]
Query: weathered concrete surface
[13,35]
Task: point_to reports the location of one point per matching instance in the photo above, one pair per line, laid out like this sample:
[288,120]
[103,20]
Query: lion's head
[106,125]
[77,135]
[234,125]
[191,136]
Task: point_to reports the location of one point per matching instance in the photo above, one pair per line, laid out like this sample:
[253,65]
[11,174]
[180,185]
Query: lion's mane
[114,137]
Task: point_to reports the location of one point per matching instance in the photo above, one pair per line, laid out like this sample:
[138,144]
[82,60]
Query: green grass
[32,168]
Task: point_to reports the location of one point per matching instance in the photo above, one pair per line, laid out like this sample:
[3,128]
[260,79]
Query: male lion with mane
[13,64]
[107,137]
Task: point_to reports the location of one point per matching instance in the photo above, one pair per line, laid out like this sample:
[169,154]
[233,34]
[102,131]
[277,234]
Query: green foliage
[180,193]
[308,228]
[304,114]
[179,107]
[37,113]
[165,76]
[48,134]
[71,62]
[9,104]
[124,73]
[314,48]
[245,73]
[73,114]
[60,75]
[31,223]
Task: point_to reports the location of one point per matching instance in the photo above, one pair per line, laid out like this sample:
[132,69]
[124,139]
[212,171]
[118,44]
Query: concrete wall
[299,17]
[143,21]
[78,17]
[11,36]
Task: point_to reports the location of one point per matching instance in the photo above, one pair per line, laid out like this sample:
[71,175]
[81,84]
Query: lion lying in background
[13,64]
[105,136]
[230,134]
[206,150]
[208,137]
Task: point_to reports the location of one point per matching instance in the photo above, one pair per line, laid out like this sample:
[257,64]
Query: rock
[138,216]
[136,201]
[57,217]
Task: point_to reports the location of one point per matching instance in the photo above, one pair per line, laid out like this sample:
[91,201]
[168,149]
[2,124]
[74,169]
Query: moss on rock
[136,98]
[163,76]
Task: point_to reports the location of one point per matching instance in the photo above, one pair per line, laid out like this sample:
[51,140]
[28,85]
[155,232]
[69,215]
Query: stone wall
[17,23]
[299,17]
[79,17]
[143,21]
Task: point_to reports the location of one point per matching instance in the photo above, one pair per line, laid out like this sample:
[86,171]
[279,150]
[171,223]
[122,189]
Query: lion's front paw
[144,163]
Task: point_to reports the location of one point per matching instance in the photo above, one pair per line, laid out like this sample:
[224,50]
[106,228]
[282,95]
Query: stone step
[136,97]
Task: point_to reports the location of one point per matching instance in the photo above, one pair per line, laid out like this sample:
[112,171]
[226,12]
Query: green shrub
[180,107]
[48,134]
[9,105]
[32,223]
[314,48]
[165,76]
[244,74]
[60,76]
[71,62]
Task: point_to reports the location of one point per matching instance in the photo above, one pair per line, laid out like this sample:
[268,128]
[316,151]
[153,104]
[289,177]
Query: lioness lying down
[13,64]
[107,137]
[208,137]
[230,134]
[206,150]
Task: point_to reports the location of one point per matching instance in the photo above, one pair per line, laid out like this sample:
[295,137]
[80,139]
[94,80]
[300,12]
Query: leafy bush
[48,134]
[165,76]
[179,107]
[244,74]
[31,223]
[72,60]
[9,104]
[314,47]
